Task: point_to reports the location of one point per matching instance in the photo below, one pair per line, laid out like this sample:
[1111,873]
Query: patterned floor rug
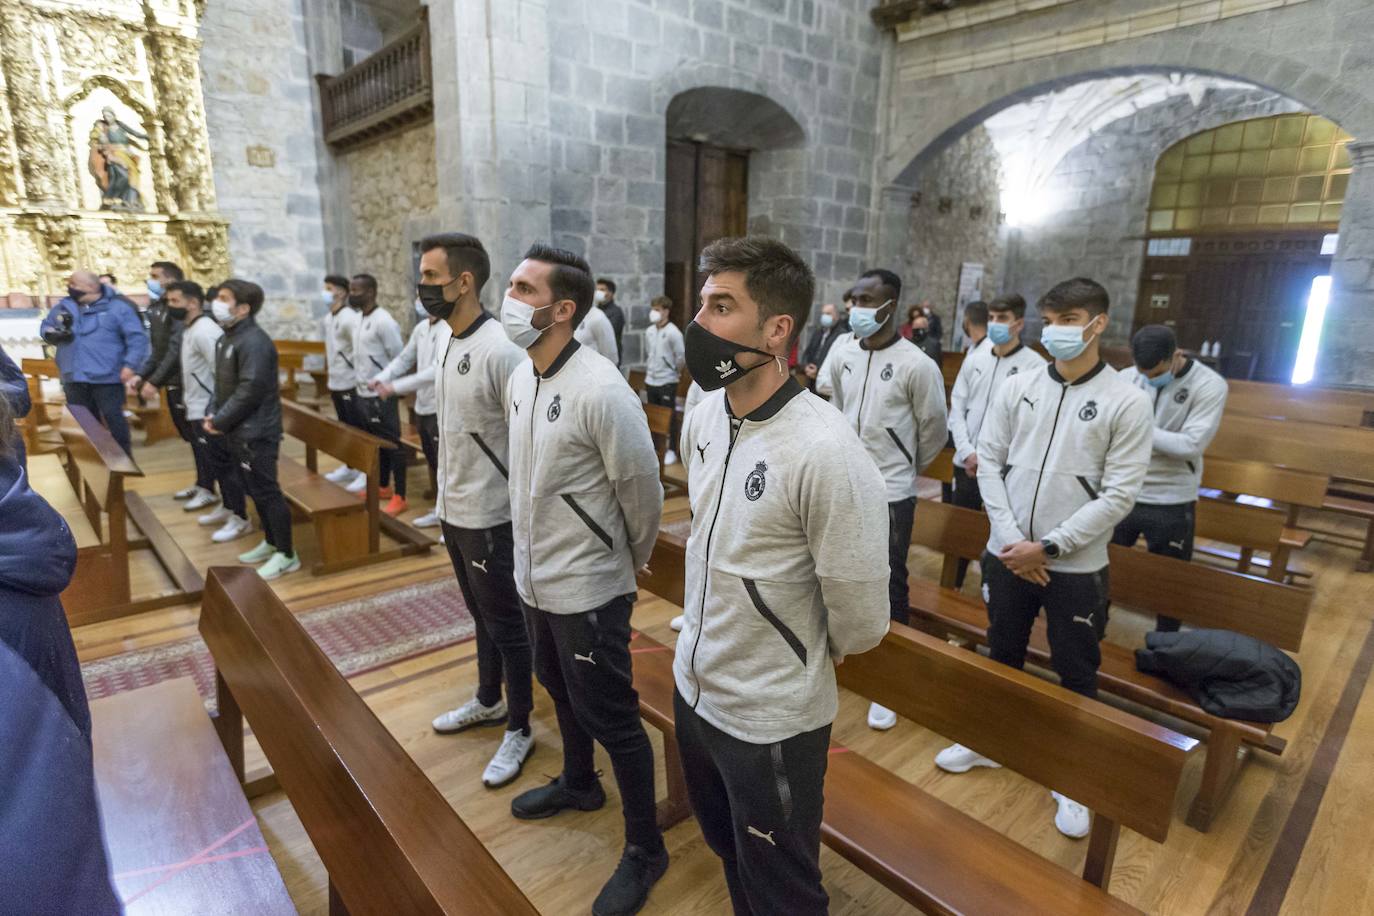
[357,635]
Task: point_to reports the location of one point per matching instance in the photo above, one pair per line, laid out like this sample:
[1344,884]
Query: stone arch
[732,117]
[963,103]
[700,75]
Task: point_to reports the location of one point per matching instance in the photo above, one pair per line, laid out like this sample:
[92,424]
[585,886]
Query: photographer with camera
[99,340]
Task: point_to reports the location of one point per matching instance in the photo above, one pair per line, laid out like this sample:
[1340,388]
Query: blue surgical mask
[1159,381]
[827,320]
[1064,341]
[326,297]
[155,289]
[999,333]
[864,321]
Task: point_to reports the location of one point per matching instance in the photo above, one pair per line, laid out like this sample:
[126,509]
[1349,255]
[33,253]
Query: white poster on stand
[970,290]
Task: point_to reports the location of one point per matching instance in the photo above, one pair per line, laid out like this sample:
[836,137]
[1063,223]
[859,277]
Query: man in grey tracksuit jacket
[1188,400]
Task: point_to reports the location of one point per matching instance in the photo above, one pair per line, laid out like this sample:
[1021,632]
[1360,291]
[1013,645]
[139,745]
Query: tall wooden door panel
[707,199]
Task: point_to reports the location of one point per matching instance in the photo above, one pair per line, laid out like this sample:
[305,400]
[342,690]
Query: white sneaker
[187,493]
[216,517]
[202,499]
[428,520]
[880,717]
[670,457]
[236,527]
[340,473]
[515,749]
[279,565]
[676,623]
[358,484]
[958,759]
[1072,819]
[470,714]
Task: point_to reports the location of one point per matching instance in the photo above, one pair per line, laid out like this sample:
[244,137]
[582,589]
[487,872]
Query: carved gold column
[175,63]
[11,180]
[45,162]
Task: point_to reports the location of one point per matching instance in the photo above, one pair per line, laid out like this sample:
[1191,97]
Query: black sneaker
[629,887]
[546,801]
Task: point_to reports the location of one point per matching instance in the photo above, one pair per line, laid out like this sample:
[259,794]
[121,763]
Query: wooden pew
[637,380]
[40,433]
[1251,527]
[1152,584]
[389,840]
[661,429]
[942,468]
[1336,406]
[167,796]
[153,417]
[348,531]
[96,468]
[928,852]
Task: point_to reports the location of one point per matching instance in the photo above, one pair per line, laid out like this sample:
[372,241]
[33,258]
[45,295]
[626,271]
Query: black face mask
[356,301]
[177,314]
[75,293]
[919,334]
[711,359]
[432,298]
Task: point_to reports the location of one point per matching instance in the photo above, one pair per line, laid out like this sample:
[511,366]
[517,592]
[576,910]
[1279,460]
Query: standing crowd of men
[549,499]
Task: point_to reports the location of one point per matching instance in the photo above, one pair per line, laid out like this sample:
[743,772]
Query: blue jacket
[15,389]
[109,335]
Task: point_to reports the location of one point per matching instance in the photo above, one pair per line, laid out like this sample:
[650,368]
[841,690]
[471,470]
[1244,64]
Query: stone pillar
[890,243]
[491,125]
[1346,356]
[324,54]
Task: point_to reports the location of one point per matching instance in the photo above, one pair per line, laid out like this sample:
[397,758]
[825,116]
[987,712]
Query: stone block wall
[1101,191]
[260,111]
[392,195]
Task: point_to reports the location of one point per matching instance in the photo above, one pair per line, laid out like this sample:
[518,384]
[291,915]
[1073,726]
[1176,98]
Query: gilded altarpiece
[104,154]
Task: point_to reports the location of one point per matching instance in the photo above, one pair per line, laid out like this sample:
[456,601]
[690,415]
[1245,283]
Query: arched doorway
[1241,221]
[715,138]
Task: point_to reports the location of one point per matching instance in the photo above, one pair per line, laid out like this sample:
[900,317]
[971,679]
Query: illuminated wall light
[1317,300]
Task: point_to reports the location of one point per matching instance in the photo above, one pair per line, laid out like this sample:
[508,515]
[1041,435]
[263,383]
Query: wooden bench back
[388,838]
[1199,595]
[1118,765]
[1255,478]
[350,445]
[1242,524]
[1336,451]
[1330,414]
[40,368]
[299,347]
[942,468]
[637,379]
[100,463]
[1271,391]
[950,363]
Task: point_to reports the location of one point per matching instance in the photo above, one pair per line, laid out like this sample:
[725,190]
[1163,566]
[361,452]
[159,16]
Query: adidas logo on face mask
[725,368]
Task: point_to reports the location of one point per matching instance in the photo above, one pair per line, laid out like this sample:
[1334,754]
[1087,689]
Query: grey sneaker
[470,715]
[515,749]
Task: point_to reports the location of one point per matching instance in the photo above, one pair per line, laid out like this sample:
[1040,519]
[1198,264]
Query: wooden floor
[1292,839]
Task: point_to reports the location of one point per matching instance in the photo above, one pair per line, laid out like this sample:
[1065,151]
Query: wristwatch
[1051,548]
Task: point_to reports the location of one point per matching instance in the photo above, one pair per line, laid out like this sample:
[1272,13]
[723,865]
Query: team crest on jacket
[886,373]
[1181,397]
[464,364]
[1013,370]
[556,408]
[755,482]
[1088,412]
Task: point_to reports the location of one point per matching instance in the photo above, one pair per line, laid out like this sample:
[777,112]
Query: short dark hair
[169,269]
[336,280]
[848,295]
[571,277]
[1152,345]
[608,283]
[464,253]
[1009,302]
[245,292]
[888,278]
[188,288]
[367,280]
[1078,293]
[775,275]
[976,313]
[211,293]
[114,281]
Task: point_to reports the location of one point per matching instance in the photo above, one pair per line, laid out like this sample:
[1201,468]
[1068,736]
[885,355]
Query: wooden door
[707,199]
[1248,291]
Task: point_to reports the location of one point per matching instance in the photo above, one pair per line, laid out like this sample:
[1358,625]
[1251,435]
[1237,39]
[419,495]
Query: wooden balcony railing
[389,91]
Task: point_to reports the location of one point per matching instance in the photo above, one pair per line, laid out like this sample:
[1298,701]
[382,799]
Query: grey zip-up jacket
[979,377]
[584,490]
[340,342]
[378,343]
[894,398]
[786,565]
[412,370]
[1187,413]
[198,365]
[470,386]
[1063,461]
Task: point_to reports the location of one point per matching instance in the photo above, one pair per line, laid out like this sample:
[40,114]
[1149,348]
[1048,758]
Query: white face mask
[222,312]
[326,297]
[599,296]
[655,316]
[515,319]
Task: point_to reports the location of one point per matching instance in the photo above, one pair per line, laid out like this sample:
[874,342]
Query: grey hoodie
[786,565]
[1063,461]
[584,490]
[1187,413]
[981,373]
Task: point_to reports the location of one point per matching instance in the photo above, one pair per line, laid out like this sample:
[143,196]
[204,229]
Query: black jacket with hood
[1229,674]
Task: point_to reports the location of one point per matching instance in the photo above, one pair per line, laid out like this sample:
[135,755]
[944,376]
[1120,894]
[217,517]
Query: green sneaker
[279,565]
[258,553]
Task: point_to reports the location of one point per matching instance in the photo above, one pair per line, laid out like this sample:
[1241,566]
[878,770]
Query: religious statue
[114,164]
